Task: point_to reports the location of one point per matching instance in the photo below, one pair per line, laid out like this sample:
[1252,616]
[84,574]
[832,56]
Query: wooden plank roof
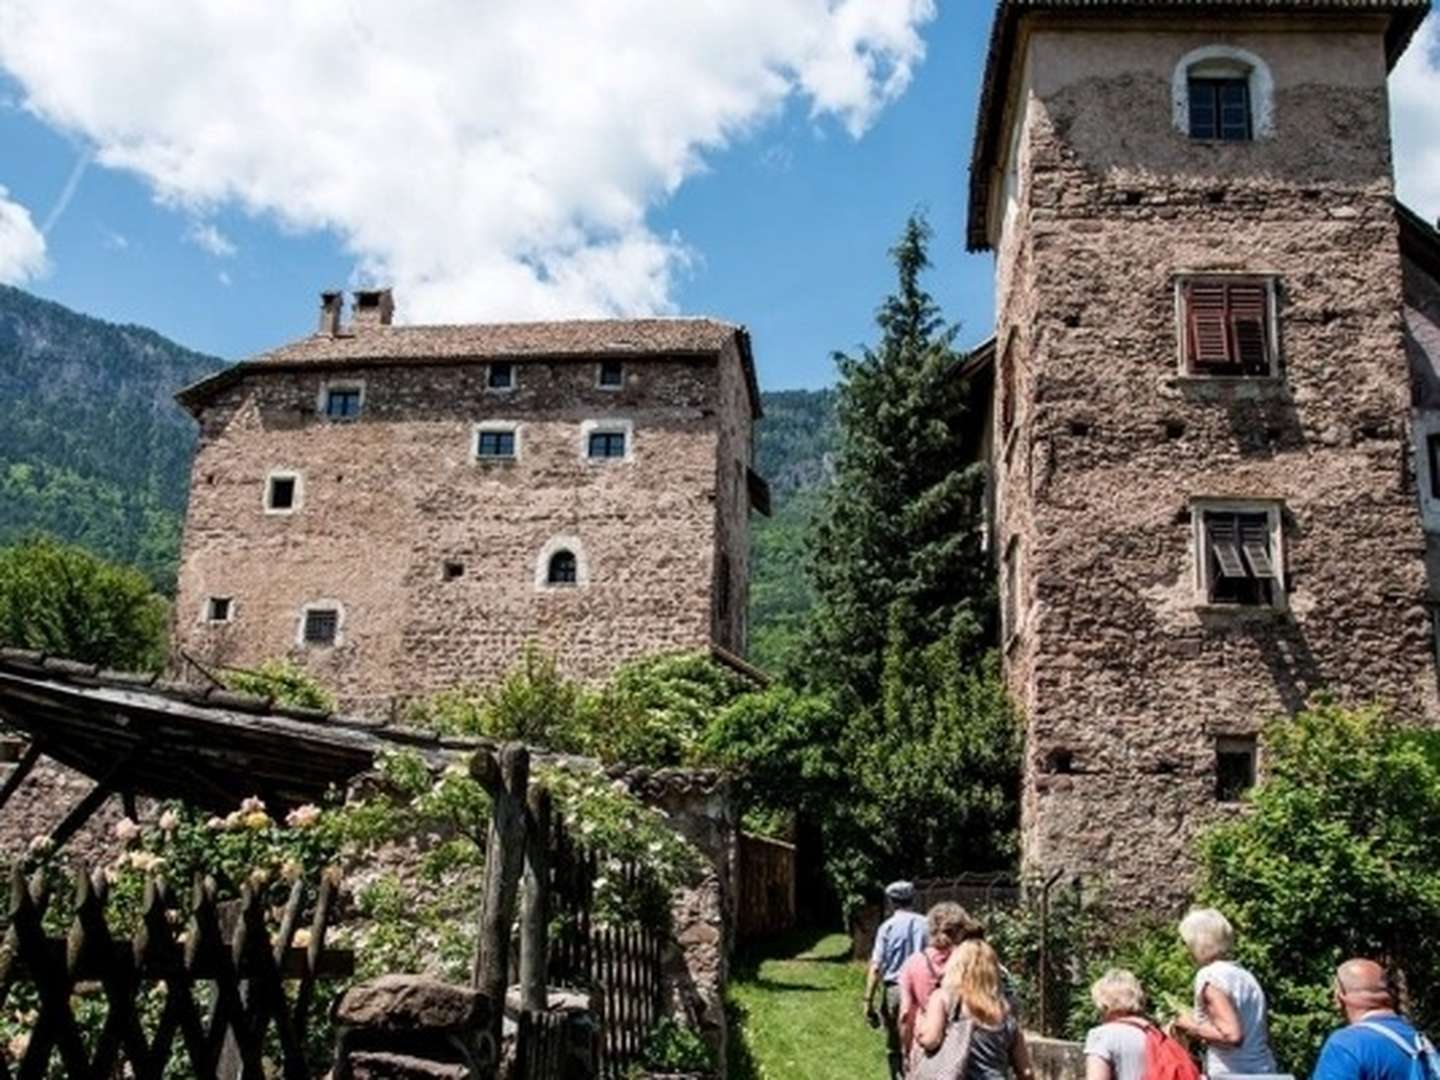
[214,748]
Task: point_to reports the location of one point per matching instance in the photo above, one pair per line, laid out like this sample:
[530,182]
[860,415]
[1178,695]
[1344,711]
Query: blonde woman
[1230,1016]
[971,988]
[1115,1050]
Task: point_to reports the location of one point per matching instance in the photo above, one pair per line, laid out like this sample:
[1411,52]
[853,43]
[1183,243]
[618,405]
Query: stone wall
[388,500]
[1126,677]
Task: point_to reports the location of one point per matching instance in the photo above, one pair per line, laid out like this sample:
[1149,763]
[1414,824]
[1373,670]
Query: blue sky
[786,229]
[751,160]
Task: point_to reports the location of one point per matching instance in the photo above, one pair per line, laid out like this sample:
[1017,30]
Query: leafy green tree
[1337,858]
[901,523]
[285,682]
[62,600]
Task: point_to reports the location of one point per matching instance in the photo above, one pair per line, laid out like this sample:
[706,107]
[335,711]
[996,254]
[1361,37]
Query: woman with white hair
[1115,1050]
[1230,1011]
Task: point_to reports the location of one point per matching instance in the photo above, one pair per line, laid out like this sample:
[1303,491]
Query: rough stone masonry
[402,509]
[1145,648]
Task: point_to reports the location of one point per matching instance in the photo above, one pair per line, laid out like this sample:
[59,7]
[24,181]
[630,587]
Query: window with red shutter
[1227,327]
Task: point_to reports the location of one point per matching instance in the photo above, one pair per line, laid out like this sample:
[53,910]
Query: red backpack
[1165,1059]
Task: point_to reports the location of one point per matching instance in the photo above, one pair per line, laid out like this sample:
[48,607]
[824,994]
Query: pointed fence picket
[242,1011]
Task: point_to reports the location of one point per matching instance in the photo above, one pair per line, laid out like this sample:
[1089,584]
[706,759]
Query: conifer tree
[896,550]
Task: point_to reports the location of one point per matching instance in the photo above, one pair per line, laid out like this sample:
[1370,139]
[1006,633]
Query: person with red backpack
[1126,1045]
[1378,1043]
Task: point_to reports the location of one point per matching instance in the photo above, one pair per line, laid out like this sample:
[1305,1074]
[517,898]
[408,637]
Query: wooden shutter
[1222,533]
[1248,324]
[1255,541]
[1207,329]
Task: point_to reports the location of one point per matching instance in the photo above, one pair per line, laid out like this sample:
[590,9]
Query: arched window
[563,569]
[1224,94]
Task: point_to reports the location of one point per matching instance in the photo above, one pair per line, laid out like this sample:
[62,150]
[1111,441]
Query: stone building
[402,509]
[1204,493]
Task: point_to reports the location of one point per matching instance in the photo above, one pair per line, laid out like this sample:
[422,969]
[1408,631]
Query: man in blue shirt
[1374,1046]
[900,936]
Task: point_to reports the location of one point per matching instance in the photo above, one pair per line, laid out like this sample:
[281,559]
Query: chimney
[331,305]
[373,307]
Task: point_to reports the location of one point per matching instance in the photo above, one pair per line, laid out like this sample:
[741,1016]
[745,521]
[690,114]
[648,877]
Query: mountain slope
[92,447]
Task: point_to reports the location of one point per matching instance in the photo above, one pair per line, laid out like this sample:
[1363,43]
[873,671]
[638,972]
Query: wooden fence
[222,992]
[767,887]
[621,966]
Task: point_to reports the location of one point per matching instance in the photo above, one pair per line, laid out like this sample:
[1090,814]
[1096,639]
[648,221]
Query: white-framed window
[607,440]
[342,401]
[561,565]
[1224,94]
[610,375]
[1227,325]
[218,609]
[496,441]
[1425,426]
[321,625]
[1239,553]
[500,376]
[284,491]
[1010,592]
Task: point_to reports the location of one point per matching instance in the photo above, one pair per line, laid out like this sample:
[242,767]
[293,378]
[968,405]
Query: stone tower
[1203,507]
[403,509]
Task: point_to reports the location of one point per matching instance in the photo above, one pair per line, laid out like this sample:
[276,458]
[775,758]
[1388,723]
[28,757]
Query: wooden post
[83,811]
[535,905]
[506,779]
[21,771]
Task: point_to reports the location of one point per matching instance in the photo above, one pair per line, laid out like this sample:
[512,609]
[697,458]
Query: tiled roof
[578,338]
[1405,17]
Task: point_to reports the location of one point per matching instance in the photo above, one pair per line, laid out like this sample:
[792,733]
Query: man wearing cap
[900,936]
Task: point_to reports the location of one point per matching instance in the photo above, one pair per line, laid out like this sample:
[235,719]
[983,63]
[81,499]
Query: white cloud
[492,160]
[22,247]
[207,237]
[224,278]
[1414,90]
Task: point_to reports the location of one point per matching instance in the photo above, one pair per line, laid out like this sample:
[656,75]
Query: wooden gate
[221,992]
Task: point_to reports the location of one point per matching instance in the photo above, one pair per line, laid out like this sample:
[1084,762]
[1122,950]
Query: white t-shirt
[1253,1055]
[1121,1045]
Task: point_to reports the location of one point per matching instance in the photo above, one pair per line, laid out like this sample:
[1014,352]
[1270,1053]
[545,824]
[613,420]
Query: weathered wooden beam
[506,779]
[86,807]
[535,902]
[17,776]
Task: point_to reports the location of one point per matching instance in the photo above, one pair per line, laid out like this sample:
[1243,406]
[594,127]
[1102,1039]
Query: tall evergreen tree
[896,549]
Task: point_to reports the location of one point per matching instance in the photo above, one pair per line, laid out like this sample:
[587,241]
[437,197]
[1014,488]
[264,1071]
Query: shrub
[289,684]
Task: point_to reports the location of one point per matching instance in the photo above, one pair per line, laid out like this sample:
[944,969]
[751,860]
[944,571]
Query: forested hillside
[92,448]
[797,439]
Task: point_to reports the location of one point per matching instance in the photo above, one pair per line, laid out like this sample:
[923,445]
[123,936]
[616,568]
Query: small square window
[612,375]
[343,402]
[501,376]
[563,569]
[218,609]
[321,626]
[1242,565]
[606,444]
[495,444]
[452,571]
[1235,757]
[280,493]
[1220,109]
[1227,327]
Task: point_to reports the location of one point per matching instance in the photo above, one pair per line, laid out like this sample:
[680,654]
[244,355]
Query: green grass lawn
[796,1006]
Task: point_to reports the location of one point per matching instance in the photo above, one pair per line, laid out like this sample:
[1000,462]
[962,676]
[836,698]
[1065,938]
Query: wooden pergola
[138,735]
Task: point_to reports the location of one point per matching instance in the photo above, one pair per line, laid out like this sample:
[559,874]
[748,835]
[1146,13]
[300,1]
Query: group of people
[930,975]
